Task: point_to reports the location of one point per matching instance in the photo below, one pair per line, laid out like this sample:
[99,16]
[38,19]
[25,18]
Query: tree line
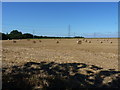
[15,34]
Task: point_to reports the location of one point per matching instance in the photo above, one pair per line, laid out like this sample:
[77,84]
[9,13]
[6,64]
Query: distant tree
[27,35]
[15,34]
[78,37]
[3,36]
[0,36]
[38,36]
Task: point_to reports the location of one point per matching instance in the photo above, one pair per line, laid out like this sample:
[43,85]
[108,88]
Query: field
[96,56]
[67,50]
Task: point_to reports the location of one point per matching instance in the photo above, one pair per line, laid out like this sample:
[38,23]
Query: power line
[74,34]
[94,34]
[33,33]
[69,30]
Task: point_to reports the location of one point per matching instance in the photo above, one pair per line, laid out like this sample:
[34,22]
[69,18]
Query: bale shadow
[65,76]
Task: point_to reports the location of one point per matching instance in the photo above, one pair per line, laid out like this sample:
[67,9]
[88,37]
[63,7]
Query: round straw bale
[34,41]
[79,42]
[14,41]
[57,41]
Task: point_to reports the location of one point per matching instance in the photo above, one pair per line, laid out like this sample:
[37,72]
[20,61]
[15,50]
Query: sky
[60,0]
[88,19]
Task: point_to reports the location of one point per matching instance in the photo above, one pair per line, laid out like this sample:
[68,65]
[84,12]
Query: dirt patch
[65,76]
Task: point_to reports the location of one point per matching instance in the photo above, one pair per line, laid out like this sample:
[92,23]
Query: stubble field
[66,51]
[46,64]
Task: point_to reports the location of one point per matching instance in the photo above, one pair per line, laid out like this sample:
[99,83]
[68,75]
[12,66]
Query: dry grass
[66,51]
[49,65]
